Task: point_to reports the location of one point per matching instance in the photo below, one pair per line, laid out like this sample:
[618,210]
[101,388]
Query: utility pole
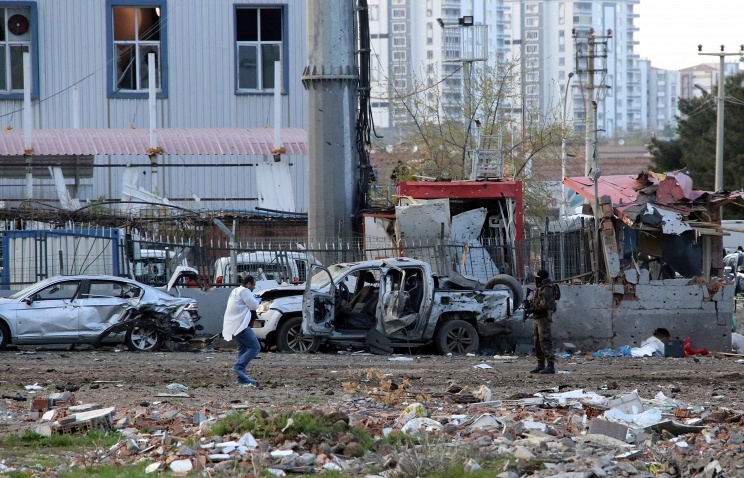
[330,79]
[719,100]
[591,58]
[564,154]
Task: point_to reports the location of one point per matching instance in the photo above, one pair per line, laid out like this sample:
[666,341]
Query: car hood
[162,303]
[283,291]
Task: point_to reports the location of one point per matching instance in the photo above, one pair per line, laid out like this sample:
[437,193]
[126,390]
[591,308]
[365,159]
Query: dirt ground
[126,379]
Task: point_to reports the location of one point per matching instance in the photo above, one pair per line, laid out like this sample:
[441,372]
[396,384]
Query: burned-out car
[96,309]
[398,302]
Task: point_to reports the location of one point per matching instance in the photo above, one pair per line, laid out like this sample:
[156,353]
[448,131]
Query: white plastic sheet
[649,348]
[643,419]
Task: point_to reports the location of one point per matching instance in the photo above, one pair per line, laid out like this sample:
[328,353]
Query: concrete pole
[277,106]
[28,124]
[76,124]
[719,127]
[564,154]
[588,113]
[720,102]
[330,78]
[152,104]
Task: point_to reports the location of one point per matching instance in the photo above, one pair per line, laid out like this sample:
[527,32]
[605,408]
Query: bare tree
[445,117]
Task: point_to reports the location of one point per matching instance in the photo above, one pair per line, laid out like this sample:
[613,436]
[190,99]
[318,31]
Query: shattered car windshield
[320,278]
[28,289]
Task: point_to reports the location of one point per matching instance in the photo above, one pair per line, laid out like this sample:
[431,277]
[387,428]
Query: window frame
[111,91]
[284,49]
[34,26]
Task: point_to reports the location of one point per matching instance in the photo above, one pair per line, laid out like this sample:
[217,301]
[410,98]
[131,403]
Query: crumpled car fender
[171,321]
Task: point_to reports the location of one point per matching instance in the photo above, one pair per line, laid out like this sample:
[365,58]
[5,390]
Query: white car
[281,266]
[399,297]
[279,320]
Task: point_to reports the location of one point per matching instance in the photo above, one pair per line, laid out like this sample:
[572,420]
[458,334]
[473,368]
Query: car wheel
[504,281]
[457,337]
[143,339]
[4,336]
[290,339]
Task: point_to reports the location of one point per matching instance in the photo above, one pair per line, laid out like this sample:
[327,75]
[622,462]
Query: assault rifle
[527,304]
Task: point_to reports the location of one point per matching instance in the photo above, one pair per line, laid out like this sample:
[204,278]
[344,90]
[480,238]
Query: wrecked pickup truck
[398,302]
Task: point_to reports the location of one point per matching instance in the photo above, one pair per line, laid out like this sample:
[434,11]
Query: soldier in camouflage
[542,308]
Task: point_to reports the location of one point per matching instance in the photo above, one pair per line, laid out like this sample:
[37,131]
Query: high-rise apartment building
[663,90]
[414,44]
[554,38]
[419,43]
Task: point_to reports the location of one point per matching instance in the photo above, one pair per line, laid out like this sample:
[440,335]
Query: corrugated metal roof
[136,142]
[667,191]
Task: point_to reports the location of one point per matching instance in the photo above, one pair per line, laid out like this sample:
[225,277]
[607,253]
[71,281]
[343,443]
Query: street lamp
[473,43]
[564,156]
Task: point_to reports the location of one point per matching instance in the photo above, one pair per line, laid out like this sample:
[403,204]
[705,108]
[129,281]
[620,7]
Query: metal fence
[565,254]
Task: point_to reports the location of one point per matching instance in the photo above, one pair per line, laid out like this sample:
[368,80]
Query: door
[103,304]
[318,303]
[403,299]
[50,315]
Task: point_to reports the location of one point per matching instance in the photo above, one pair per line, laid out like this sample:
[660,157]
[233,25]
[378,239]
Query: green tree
[695,145]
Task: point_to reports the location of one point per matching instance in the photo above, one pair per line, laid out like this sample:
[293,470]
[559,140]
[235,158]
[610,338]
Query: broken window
[136,33]
[259,43]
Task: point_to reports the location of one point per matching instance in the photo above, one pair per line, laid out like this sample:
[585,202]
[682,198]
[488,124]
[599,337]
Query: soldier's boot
[540,367]
[550,369]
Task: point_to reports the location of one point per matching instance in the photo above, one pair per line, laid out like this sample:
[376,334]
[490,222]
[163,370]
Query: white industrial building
[215,95]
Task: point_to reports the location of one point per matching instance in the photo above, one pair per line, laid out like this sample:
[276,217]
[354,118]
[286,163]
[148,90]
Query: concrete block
[523,453]
[85,407]
[644,277]
[631,275]
[630,404]
[618,289]
[568,347]
[611,429]
[49,416]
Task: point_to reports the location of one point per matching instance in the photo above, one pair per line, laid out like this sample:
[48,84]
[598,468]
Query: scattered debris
[572,432]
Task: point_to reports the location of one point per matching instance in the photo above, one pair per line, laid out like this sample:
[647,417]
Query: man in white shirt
[236,324]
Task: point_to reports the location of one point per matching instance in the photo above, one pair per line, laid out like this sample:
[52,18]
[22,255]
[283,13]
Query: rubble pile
[565,433]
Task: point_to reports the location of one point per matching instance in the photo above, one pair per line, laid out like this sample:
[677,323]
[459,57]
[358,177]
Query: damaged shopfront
[658,256]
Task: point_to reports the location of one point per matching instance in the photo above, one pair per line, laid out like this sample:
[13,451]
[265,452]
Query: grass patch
[33,440]
[18,474]
[266,427]
[44,452]
[108,471]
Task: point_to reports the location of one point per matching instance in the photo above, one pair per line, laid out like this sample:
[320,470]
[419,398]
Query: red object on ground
[691,351]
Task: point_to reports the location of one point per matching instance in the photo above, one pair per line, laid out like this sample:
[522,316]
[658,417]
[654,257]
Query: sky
[670,31]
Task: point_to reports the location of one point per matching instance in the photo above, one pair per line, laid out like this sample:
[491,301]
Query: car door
[318,303]
[50,315]
[102,302]
[404,301]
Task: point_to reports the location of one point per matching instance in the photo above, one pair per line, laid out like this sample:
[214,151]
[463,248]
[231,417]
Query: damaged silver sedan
[93,309]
